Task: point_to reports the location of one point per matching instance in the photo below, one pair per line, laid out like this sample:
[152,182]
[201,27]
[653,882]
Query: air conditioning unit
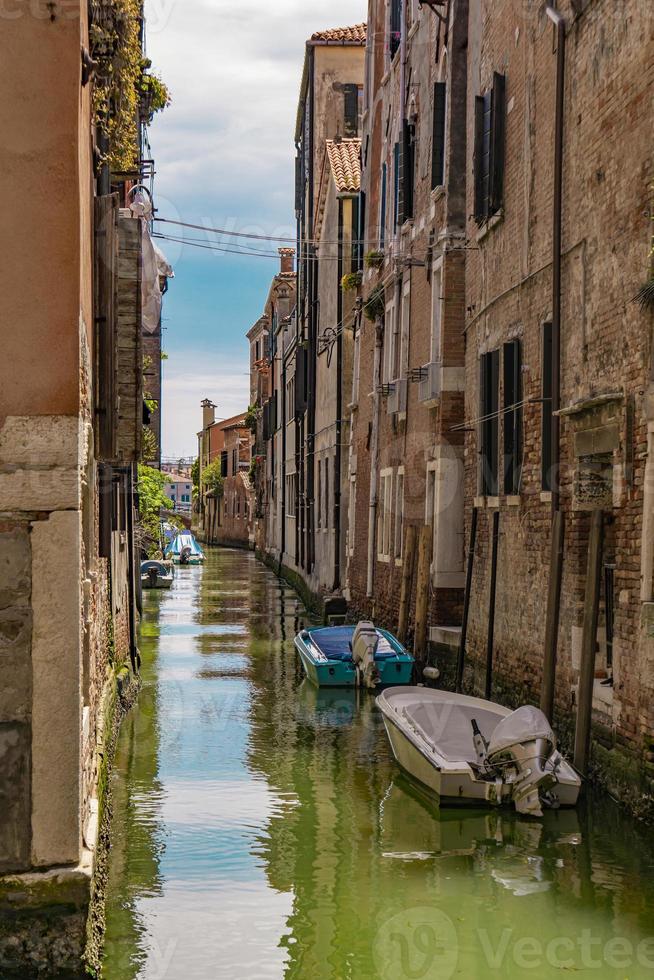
[396,401]
[429,389]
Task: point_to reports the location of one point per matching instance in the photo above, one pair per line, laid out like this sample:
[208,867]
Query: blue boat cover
[334,641]
[184,540]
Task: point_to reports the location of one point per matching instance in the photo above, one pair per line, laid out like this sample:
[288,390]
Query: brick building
[405,462]
[226,518]
[558,356]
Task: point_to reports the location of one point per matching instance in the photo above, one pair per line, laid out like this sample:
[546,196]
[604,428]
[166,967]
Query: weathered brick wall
[608,162]
[423,434]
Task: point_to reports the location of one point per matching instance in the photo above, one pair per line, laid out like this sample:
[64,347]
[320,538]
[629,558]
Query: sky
[224,156]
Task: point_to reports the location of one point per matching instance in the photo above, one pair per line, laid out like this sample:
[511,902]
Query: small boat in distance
[157,574]
[351,656]
[184,550]
[468,750]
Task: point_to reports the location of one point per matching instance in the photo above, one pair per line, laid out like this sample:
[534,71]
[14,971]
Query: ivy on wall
[125,91]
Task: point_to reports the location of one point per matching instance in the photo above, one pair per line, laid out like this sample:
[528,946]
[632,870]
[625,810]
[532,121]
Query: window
[291,491]
[352,109]
[546,411]
[431,499]
[438,136]
[356,366]
[290,399]
[382,208]
[384,518]
[257,350]
[399,514]
[395,26]
[396,185]
[436,310]
[352,511]
[489,423]
[390,337]
[490,118]
[406,172]
[512,417]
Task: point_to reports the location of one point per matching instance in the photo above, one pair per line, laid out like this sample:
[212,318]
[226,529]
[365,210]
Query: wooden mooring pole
[589,644]
[491,605]
[408,563]
[422,593]
[552,616]
[460,662]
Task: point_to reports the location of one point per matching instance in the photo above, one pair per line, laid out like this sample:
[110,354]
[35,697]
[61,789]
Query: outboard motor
[364,647]
[153,574]
[184,555]
[525,743]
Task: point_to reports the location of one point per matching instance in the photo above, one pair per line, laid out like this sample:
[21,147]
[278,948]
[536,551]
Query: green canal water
[262,829]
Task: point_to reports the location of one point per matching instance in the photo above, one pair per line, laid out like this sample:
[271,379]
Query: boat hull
[330,673]
[323,671]
[161,582]
[454,781]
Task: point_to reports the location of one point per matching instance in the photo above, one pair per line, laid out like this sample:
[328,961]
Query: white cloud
[234,72]
[189,379]
[224,153]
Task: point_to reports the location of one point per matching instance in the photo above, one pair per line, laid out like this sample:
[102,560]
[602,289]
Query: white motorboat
[157,574]
[468,750]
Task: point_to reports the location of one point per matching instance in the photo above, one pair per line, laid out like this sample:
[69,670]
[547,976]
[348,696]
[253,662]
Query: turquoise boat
[184,550]
[351,656]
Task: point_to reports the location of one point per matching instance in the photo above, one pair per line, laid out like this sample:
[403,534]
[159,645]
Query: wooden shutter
[299,184]
[512,416]
[360,247]
[396,185]
[497,141]
[351,109]
[490,422]
[479,209]
[438,136]
[300,381]
[106,263]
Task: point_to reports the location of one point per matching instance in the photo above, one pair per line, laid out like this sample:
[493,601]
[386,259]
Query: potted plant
[374,259]
[351,280]
[373,307]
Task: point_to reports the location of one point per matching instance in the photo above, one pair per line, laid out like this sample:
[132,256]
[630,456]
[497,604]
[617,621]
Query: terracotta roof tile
[345,162]
[342,35]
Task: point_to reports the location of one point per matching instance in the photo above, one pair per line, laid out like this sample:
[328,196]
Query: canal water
[261,828]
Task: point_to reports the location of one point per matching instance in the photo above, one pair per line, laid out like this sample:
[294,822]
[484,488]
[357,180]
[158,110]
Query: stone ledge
[69,886]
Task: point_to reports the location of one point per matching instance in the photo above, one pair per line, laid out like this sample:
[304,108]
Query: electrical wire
[492,415]
[216,248]
[270,238]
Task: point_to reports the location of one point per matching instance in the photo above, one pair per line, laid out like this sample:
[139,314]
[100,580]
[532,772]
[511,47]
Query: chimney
[208,413]
[286,256]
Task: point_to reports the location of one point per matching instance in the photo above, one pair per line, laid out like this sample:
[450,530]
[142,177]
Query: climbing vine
[124,91]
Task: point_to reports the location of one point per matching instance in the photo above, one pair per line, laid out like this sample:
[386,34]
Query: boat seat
[335,643]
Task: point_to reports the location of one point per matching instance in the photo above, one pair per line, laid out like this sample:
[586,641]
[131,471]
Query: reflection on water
[262,829]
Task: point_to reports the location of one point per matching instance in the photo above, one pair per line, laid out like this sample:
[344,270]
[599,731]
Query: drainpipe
[559,23]
[558,531]
[374,462]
